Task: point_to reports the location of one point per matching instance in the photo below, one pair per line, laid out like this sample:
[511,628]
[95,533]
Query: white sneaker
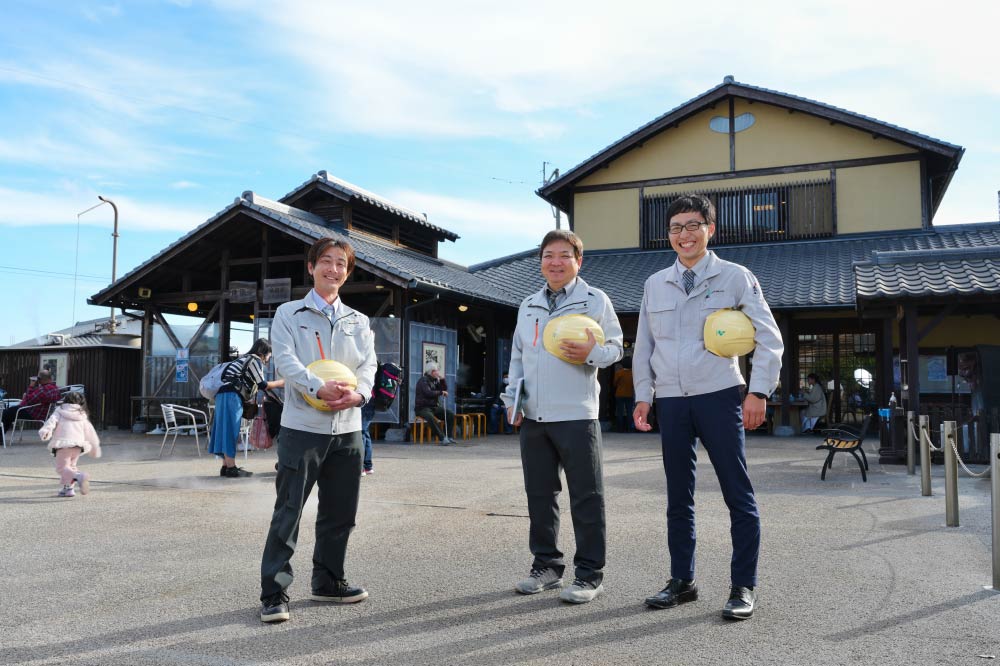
[539,580]
[83,480]
[580,592]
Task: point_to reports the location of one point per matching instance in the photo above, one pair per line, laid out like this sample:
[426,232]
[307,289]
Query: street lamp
[114,251]
[114,256]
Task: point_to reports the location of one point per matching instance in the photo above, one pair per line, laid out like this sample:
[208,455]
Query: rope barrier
[954,447]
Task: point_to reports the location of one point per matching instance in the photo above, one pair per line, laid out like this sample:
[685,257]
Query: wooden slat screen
[752,214]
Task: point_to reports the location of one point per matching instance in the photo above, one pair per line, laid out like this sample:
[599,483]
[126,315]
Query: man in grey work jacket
[318,447]
[699,394]
[558,419]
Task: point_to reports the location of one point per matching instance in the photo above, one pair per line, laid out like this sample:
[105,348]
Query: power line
[17,270]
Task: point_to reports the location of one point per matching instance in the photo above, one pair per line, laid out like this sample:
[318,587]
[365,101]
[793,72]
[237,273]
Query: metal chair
[198,423]
[23,416]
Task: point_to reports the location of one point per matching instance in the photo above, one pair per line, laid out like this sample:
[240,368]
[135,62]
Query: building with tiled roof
[831,209]
[833,212]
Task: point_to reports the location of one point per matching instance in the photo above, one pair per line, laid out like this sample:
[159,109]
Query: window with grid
[759,213]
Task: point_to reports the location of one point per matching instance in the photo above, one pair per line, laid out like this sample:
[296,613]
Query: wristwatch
[758,394]
[364,400]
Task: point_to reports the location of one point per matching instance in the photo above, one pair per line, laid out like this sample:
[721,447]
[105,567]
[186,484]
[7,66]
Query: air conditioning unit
[56,339]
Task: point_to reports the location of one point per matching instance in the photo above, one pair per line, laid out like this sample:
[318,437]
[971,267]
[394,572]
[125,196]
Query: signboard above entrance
[277,290]
[242,292]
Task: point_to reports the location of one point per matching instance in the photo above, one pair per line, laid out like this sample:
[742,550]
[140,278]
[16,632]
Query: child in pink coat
[70,435]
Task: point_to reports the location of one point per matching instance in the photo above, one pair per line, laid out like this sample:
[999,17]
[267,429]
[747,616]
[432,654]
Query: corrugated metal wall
[111,377]
[420,333]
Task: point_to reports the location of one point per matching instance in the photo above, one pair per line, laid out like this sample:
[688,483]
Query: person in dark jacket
[430,387]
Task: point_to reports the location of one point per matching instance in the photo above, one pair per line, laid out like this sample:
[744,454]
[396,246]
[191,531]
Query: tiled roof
[353,191]
[401,262]
[950,272]
[794,275]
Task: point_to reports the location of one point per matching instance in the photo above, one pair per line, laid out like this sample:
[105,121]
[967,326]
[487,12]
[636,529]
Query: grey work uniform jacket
[670,359]
[554,389]
[347,339]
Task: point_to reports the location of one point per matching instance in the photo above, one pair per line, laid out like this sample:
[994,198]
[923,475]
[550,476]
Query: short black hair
[813,376]
[323,244]
[692,203]
[557,235]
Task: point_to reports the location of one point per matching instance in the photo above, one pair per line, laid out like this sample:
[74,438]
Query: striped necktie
[688,281]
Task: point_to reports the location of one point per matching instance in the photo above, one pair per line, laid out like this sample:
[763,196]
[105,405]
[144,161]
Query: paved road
[159,565]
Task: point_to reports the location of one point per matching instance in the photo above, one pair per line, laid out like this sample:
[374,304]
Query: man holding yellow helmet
[688,361]
[564,333]
[325,351]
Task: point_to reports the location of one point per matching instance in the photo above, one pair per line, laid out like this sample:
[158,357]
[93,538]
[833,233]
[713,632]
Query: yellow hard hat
[572,328]
[729,333]
[327,370]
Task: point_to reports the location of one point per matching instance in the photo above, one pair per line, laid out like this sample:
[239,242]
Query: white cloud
[441,68]
[23,208]
[184,185]
[488,229]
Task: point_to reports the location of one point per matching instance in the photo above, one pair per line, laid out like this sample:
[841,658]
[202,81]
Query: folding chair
[194,420]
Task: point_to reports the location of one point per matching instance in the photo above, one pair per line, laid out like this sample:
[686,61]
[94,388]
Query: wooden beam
[750,173]
[386,304]
[933,323]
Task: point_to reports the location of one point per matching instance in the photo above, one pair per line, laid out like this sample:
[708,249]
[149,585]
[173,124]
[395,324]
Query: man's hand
[514,419]
[754,411]
[444,393]
[578,351]
[338,395]
[641,417]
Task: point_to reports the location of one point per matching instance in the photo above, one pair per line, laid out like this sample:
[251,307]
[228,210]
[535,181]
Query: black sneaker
[341,593]
[274,608]
[234,472]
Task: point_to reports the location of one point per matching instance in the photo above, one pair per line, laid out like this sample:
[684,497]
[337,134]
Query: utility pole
[548,179]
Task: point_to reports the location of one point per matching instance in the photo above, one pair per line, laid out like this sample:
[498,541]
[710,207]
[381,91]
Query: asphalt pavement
[159,564]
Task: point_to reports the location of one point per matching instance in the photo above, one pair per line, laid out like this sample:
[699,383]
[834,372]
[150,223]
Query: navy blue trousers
[717,419]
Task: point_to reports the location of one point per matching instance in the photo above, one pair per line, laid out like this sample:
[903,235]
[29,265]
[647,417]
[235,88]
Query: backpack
[388,378]
[212,381]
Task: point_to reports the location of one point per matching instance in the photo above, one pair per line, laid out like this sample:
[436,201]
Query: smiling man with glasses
[700,395]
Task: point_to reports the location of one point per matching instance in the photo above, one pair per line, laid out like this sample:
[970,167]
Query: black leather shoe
[740,604]
[676,592]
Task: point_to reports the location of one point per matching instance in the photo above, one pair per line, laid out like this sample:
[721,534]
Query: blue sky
[174,108]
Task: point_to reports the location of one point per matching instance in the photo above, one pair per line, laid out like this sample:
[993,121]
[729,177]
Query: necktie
[328,311]
[688,281]
[551,296]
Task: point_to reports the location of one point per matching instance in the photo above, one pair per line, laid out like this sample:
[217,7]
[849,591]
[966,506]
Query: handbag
[260,438]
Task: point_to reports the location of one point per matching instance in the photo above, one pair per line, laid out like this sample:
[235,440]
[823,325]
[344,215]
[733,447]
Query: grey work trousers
[575,446]
[333,463]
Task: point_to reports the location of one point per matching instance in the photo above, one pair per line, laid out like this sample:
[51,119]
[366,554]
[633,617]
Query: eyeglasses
[690,226]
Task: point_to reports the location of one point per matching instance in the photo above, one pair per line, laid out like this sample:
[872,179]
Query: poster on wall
[181,366]
[57,365]
[434,353]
